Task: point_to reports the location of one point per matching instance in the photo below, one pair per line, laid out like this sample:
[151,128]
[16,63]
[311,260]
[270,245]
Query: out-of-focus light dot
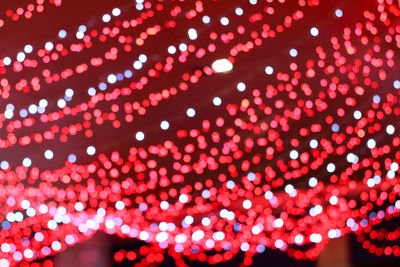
[313,143]
[245,246]
[161,237]
[106,18]
[28,48]
[91,150]
[335,127]
[62,34]
[299,239]
[338,13]
[137,64]
[72,158]
[198,235]
[164,125]
[82,28]
[253,2]
[279,243]
[116,12]
[5,247]
[128,74]
[217,101]
[181,238]
[241,86]
[183,198]
[48,154]
[110,224]
[330,167]
[164,205]
[205,221]
[239,11]
[314,31]
[222,65]
[8,114]
[396,84]
[139,136]
[312,182]
[251,176]
[224,21]
[32,109]
[171,49]
[69,92]
[357,115]
[294,154]
[247,204]
[91,91]
[269,70]
[49,46]
[278,223]
[43,103]
[25,204]
[7,61]
[192,33]
[28,253]
[61,103]
[390,129]
[142,58]
[119,205]
[371,143]
[79,35]
[4,165]
[190,112]
[182,47]
[333,200]
[206,19]
[21,56]
[23,113]
[315,238]
[293,52]
[27,162]
[260,248]
[376,99]
[111,78]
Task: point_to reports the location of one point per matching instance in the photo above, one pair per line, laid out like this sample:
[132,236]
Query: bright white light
[313,182]
[294,154]
[331,167]
[164,125]
[79,35]
[91,150]
[314,31]
[313,143]
[239,11]
[338,13]
[190,112]
[299,239]
[137,64]
[27,162]
[161,237]
[390,129]
[371,143]
[181,238]
[49,46]
[182,47]
[116,12]
[217,101]
[183,198]
[269,70]
[8,113]
[241,86]
[48,154]
[61,103]
[142,58]
[192,33]
[206,19]
[28,48]
[315,238]
[198,235]
[106,18]
[247,204]
[21,56]
[119,205]
[293,52]
[111,78]
[357,115]
[139,136]
[222,65]
[62,34]
[278,223]
[224,21]
[171,49]
[396,84]
[7,61]
[205,221]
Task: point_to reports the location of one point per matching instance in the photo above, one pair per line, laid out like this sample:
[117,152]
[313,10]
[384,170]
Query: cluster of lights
[272,153]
